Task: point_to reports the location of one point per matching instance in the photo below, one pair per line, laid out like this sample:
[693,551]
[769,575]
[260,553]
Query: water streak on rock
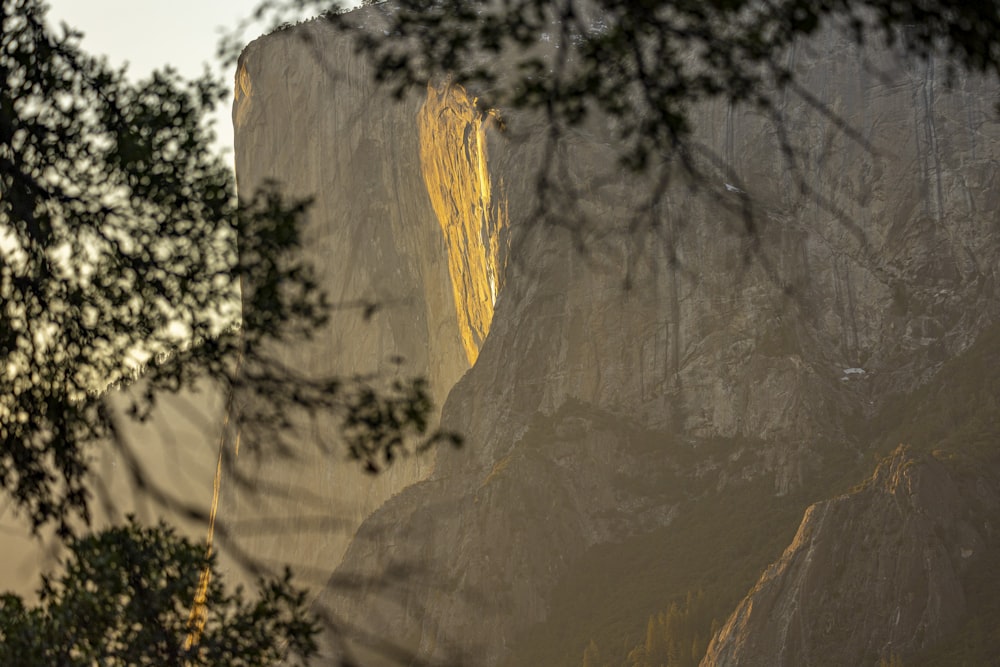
[455,166]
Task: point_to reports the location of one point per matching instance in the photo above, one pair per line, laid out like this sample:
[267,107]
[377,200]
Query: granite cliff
[871,574]
[647,411]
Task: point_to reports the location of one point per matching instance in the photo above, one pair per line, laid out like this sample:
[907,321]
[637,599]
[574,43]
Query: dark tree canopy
[643,62]
[123,597]
[118,228]
[637,73]
[118,258]
[118,248]
[113,213]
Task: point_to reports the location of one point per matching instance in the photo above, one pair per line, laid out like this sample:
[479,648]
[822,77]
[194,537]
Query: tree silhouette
[123,598]
[119,259]
[118,228]
[644,63]
[639,69]
[119,225]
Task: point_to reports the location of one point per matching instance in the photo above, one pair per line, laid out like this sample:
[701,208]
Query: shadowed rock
[665,369]
[871,574]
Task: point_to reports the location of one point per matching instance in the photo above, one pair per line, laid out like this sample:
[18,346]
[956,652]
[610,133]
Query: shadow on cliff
[753,301]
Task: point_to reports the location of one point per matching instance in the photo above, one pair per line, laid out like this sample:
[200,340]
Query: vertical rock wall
[647,376]
[309,118]
[471,212]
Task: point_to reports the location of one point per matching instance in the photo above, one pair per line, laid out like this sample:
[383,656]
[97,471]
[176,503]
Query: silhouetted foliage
[123,598]
[634,73]
[645,64]
[118,259]
[118,224]
[118,229]
[111,214]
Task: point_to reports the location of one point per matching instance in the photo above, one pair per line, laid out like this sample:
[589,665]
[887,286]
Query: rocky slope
[655,376]
[872,574]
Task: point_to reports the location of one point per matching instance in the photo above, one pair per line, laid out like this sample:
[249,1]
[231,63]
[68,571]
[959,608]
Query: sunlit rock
[471,212]
[870,575]
[655,396]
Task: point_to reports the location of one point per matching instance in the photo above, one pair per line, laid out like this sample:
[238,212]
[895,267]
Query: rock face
[869,575]
[653,375]
[405,216]
[309,118]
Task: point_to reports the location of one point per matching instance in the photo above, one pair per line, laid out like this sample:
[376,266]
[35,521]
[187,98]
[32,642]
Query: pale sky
[149,34]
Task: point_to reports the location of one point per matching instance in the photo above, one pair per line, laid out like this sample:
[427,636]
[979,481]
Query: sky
[149,34]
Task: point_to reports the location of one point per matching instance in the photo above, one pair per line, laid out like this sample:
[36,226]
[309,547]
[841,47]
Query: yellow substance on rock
[454,161]
[199,609]
[241,96]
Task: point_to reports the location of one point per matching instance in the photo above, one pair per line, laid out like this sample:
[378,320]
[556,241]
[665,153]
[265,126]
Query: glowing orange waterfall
[242,93]
[471,211]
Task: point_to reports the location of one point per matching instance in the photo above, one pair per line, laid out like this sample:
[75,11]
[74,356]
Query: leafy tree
[118,224]
[644,62]
[640,68]
[118,251]
[124,596]
[118,228]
